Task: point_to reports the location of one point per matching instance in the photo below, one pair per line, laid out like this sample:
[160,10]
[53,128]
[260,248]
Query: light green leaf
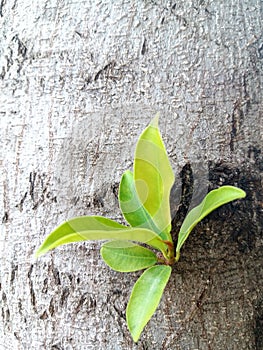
[125,256]
[154,177]
[213,200]
[131,206]
[145,298]
[86,228]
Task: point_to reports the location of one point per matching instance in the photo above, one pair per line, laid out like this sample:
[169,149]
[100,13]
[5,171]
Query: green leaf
[133,210]
[145,298]
[154,177]
[125,256]
[213,200]
[98,228]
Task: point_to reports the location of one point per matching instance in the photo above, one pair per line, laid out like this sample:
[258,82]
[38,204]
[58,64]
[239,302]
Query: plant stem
[170,254]
[177,257]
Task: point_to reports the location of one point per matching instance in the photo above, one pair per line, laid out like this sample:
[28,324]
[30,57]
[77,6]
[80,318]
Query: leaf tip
[242,193]
[239,192]
[135,338]
[135,334]
[155,121]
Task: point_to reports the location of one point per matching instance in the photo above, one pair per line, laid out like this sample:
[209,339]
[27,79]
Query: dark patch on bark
[7,315]
[254,154]
[21,47]
[87,81]
[32,295]
[114,300]
[2,313]
[38,191]
[71,279]
[258,330]
[16,335]
[78,33]
[32,179]
[56,276]
[51,307]
[240,219]
[20,306]
[105,70]
[120,312]
[3,73]
[86,302]
[75,200]
[244,215]
[4,306]
[5,218]
[2,3]
[80,304]
[187,180]
[16,52]
[14,269]
[97,201]
[144,48]
[5,312]
[57,347]
[31,287]
[64,296]
[21,203]
[260,51]
[115,189]
[45,286]
[222,174]
[44,316]
[14,5]
[4,298]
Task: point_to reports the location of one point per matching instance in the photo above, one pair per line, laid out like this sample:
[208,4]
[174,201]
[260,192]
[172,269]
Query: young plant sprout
[144,196]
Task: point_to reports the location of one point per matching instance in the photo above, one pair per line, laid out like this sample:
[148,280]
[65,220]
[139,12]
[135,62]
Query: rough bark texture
[79,80]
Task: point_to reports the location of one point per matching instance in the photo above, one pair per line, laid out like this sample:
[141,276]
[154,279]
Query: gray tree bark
[79,81]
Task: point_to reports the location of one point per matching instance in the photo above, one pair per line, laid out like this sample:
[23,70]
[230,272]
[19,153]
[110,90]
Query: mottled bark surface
[79,80]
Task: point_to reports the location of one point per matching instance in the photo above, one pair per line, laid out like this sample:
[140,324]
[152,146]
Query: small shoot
[144,196]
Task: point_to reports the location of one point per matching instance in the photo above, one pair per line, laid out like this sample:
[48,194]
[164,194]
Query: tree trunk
[79,81]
